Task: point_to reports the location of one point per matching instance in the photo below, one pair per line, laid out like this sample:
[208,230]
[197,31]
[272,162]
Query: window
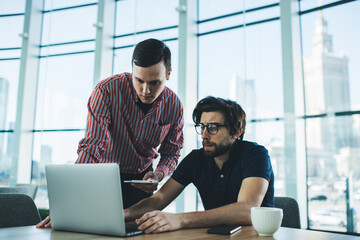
[243,63]
[331,59]
[11,23]
[65,82]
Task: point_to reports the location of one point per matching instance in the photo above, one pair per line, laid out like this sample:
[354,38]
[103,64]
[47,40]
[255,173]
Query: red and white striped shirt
[117,131]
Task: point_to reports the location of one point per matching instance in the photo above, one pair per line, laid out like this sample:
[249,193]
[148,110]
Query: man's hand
[150,187]
[45,223]
[156,222]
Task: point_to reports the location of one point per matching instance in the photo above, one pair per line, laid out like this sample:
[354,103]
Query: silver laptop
[87,198]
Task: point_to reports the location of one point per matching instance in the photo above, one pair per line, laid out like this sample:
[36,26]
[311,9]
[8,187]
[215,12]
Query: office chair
[291,213]
[31,187]
[17,210]
[22,190]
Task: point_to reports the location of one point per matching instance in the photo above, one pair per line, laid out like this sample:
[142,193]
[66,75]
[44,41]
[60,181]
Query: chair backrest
[22,190]
[31,187]
[291,211]
[17,210]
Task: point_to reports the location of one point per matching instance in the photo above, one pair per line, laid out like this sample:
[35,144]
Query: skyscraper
[4,160]
[4,92]
[326,92]
[243,92]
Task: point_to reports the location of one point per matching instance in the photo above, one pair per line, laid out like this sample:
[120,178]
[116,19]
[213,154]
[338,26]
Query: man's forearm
[236,213]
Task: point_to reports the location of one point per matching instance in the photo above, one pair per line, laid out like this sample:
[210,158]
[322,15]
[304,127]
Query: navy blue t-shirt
[221,187]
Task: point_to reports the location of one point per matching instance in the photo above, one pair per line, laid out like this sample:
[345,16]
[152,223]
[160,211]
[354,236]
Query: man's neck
[220,160]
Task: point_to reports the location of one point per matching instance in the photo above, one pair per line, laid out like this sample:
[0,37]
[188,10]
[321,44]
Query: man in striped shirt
[130,116]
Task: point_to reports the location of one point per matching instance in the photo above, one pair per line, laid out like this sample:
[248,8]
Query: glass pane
[271,136]
[214,8]
[6,144]
[9,77]
[65,85]
[140,15]
[250,71]
[67,48]
[239,19]
[122,60]
[52,148]
[12,26]
[10,7]
[133,39]
[333,152]
[6,54]
[308,4]
[331,59]
[53,4]
[69,25]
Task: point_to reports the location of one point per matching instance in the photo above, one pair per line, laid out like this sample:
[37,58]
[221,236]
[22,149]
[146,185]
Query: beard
[220,149]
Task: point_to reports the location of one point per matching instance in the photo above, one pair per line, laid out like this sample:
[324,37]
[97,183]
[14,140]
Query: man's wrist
[160,174]
[184,221]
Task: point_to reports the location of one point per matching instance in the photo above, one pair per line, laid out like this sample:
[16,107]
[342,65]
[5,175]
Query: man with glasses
[231,175]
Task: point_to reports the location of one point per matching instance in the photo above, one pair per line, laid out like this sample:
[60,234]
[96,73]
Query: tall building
[243,92]
[326,92]
[4,160]
[10,140]
[4,92]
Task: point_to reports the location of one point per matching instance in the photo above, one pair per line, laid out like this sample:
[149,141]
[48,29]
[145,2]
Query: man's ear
[237,134]
[168,74]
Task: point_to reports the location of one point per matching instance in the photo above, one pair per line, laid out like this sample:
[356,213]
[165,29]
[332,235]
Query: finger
[164,228]
[156,226]
[48,225]
[43,223]
[145,217]
[149,175]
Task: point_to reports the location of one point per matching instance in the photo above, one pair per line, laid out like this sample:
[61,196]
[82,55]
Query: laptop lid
[86,198]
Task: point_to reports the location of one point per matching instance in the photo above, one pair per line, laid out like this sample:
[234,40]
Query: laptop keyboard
[131,227]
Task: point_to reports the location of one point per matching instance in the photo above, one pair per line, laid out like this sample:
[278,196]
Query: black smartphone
[224,229]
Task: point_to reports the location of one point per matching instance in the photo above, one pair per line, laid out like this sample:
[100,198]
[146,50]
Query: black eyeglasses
[212,128]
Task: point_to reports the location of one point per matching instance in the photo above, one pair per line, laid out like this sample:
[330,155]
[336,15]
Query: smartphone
[224,229]
[140,181]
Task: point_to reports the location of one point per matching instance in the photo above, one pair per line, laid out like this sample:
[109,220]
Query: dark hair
[150,52]
[232,111]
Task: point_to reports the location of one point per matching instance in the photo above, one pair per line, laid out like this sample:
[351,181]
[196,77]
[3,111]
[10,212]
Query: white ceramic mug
[266,220]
